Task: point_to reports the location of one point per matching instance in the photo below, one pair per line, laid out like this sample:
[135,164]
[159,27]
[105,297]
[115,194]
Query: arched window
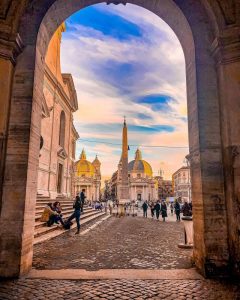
[62,129]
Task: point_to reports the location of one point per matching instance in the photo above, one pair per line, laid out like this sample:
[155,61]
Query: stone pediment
[62,153]
[84,180]
[139,180]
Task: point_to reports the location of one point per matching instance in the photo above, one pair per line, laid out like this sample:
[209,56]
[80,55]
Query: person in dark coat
[145,208]
[177,210]
[186,209]
[77,212]
[157,209]
[152,207]
[82,197]
[171,207]
[164,210]
[190,204]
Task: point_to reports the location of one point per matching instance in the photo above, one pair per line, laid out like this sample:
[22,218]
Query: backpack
[67,225]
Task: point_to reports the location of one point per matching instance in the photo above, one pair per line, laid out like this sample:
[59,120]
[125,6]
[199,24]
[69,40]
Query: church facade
[58,135]
[141,184]
[87,177]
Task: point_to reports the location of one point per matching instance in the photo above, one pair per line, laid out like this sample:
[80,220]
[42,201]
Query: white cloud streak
[160,69]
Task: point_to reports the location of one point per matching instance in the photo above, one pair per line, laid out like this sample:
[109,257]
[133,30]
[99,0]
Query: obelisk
[124,186]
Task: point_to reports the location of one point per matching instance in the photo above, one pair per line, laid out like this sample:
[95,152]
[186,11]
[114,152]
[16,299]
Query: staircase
[43,232]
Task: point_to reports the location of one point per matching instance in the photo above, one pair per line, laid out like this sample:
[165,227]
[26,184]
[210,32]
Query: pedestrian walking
[164,210]
[82,198]
[145,208]
[171,208]
[152,209]
[177,210]
[157,209]
[110,206]
[76,214]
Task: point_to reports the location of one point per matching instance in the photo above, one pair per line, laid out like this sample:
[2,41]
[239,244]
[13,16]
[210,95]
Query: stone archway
[195,25]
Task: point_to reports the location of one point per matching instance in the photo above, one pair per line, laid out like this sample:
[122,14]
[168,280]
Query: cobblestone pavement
[118,243]
[118,289]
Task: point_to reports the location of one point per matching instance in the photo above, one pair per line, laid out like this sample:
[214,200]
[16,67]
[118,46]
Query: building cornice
[75,133]
[68,80]
[10,46]
[226,48]
[58,86]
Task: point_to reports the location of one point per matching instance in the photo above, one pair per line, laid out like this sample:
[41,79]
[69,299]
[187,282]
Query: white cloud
[160,69]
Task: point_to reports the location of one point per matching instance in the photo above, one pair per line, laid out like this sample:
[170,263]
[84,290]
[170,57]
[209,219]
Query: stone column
[97,192]
[20,178]
[145,193]
[209,211]
[6,71]
[21,164]
[10,47]
[227,54]
[132,193]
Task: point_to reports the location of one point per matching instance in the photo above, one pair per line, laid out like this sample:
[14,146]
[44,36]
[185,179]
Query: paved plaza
[118,243]
[120,258]
[118,289]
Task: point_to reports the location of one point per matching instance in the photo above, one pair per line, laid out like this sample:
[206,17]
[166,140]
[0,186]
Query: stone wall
[209,33]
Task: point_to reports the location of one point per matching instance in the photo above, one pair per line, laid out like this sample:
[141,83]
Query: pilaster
[10,47]
[226,51]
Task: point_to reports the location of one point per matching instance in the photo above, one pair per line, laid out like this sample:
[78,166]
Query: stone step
[42,206]
[39,224]
[46,201]
[43,229]
[59,231]
[39,197]
[66,213]
[39,209]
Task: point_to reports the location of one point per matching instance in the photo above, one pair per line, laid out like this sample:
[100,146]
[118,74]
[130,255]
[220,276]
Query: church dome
[96,162]
[84,167]
[140,165]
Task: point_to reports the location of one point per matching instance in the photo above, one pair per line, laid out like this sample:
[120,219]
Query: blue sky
[126,61]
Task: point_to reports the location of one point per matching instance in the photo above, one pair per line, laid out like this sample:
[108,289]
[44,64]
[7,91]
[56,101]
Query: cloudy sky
[126,61]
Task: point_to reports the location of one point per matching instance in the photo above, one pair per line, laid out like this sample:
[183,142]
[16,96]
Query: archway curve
[190,22]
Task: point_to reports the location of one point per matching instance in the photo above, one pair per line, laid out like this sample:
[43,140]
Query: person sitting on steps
[57,207]
[49,215]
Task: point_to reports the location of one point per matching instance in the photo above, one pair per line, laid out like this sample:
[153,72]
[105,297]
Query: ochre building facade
[87,177]
[58,135]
